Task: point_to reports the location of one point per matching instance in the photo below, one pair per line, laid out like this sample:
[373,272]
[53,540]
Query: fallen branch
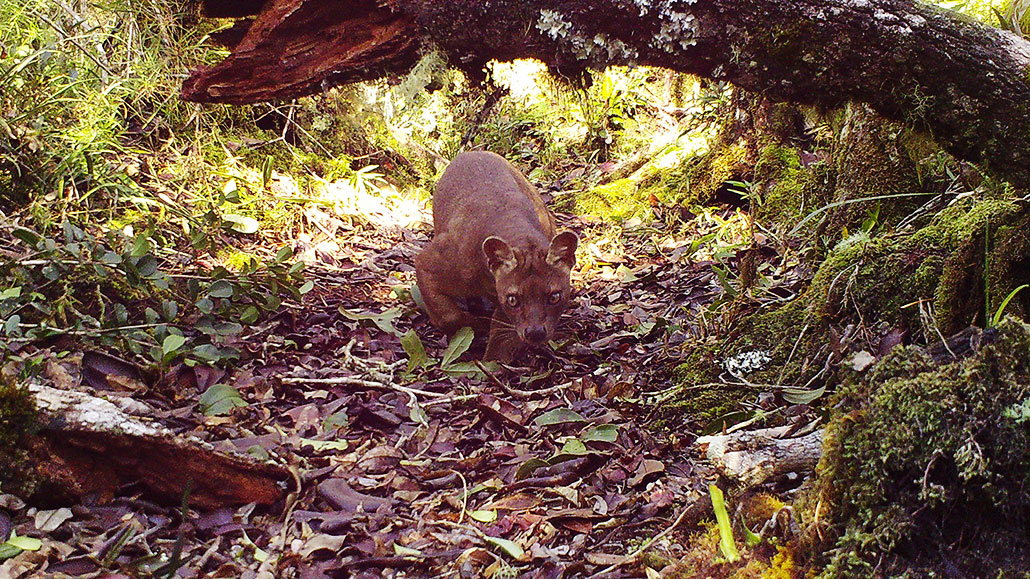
[90,446]
[755,456]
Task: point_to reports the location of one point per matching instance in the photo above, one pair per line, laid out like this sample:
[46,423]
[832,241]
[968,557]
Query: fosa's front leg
[434,284]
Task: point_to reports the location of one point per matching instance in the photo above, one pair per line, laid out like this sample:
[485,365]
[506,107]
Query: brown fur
[495,239]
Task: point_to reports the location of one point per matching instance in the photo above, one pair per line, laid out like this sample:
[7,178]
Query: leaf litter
[412,458]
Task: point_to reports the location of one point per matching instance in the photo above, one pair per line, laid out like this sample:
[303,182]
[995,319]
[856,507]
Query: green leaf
[266,170]
[1005,302]
[750,539]
[10,293]
[510,548]
[416,351]
[227,328]
[27,235]
[24,543]
[146,265]
[335,421]
[250,315]
[308,286]
[242,223]
[483,516]
[625,274]
[283,254]
[418,415]
[416,296]
[205,305]
[140,247]
[220,289]
[802,396]
[601,433]
[573,446]
[402,551]
[726,544]
[459,369]
[383,321]
[558,416]
[11,325]
[340,444]
[727,420]
[527,468]
[172,343]
[460,342]
[220,399]
[169,310]
[212,353]
[722,274]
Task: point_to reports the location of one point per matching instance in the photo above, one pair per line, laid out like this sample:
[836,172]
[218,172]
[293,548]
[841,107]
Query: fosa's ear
[563,249]
[498,254]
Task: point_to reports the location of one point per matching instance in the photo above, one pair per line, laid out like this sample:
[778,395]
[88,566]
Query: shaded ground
[543,470]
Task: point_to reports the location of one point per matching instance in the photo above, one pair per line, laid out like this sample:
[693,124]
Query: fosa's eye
[512,300]
[554,298]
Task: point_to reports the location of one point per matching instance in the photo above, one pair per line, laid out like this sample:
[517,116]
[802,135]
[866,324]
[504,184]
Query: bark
[755,456]
[90,446]
[966,84]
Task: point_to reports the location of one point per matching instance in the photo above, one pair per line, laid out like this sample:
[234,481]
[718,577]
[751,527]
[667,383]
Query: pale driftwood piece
[755,456]
[89,445]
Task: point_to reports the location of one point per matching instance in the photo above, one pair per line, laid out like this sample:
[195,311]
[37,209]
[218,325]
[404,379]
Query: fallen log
[87,445]
[755,456]
[964,83]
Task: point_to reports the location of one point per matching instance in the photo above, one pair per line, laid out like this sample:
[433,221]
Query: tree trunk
[966,84]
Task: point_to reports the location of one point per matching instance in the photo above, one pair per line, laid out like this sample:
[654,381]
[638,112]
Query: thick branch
[753,457]
[90,446]
[296,47]
[965,83]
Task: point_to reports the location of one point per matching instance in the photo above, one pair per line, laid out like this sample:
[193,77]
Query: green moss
[618,200]
[698,408]
[931,454]
[966,219]
[18,418]
[872,278]
[777,333]
[871,161]
[236,260]
[789,189]
[697,179]
[957,234]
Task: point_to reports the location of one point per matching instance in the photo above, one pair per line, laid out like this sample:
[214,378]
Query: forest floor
[552,467]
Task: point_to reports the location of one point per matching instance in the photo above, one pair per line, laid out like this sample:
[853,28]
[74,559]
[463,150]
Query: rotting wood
[752,457]
[93,447]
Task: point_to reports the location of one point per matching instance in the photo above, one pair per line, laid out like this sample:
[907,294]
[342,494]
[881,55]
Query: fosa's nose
[536,334]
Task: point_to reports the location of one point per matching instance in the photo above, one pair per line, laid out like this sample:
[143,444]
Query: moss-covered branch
[966,84]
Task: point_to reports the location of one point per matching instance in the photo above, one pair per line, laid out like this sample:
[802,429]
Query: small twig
[352,381]
[633,556]
[464,496]
[450,400]
[515,391]
[779,380]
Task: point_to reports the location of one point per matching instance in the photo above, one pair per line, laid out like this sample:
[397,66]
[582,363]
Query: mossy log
[966,84]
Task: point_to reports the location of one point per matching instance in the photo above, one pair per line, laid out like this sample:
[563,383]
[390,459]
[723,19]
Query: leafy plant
[1004,303]
[726,545]
[118,289]
[449,364]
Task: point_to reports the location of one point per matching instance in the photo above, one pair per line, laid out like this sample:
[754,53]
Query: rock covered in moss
[931,454]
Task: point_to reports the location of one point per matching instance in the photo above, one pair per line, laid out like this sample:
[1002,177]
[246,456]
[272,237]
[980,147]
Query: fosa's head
[533,286]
